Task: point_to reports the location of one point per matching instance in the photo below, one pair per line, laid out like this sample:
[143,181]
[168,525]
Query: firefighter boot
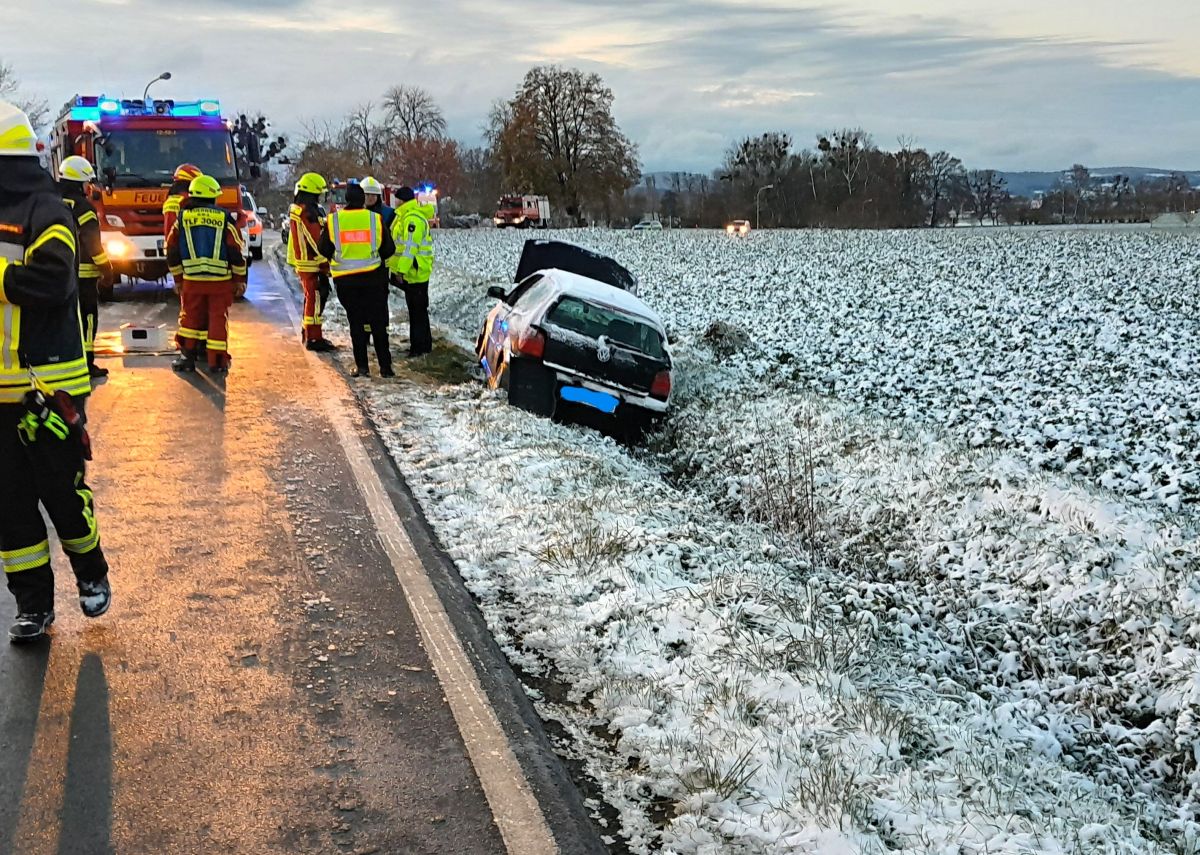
[94,597]
[185,362]
[30,626]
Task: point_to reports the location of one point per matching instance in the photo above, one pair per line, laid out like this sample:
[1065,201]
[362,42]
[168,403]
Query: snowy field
[914,568]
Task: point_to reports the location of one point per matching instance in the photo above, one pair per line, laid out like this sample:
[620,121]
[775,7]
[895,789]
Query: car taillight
[532,344]
[661,387]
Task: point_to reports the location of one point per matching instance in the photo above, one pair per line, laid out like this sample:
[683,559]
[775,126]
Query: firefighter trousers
[204,317]
[50,473]
[89,315]
[316,296]
[364,296]
[420,338]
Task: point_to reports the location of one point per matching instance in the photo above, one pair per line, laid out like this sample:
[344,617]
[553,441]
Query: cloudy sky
[1012,84]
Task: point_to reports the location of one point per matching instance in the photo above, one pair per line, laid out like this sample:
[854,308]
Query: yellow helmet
[17,138]
[371,187]
[204,187]
[311,182]
[76,168]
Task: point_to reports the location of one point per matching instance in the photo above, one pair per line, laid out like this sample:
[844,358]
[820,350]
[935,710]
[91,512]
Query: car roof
[574,285]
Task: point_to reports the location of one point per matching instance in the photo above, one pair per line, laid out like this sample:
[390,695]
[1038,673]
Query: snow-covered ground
[914,568]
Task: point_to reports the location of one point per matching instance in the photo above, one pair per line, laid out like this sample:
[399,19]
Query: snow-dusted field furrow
[1077,350]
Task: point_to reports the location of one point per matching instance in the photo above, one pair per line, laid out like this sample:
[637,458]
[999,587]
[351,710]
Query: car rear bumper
[627,397]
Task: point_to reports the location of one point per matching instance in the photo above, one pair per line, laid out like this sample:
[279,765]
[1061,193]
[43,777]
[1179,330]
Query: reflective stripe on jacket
[39,306]
[93,260]
[414,242]
[304,230]
[357,237]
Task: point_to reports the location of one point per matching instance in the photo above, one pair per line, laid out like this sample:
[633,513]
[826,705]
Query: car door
[497,332]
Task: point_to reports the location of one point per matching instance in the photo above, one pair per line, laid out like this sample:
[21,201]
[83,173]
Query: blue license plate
[601,401]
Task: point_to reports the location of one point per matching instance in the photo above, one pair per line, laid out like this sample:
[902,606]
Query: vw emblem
[603,351]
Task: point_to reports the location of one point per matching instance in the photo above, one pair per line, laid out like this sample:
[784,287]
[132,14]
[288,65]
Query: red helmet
[187,172]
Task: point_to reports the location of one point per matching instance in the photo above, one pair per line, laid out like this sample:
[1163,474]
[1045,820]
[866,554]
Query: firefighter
[305,219]
[412,265]
[357,246]
[374,191]
[185,174]
[76,176]
[43,385]
[205,252]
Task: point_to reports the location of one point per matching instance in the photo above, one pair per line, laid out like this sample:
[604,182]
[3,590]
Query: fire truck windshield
[147,158]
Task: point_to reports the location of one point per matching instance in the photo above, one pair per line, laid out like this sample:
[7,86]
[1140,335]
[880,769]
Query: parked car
[648,226]
[741,228]
[572,335]
[254,225]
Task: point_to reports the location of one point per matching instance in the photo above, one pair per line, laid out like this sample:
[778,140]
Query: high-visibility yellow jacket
[304,230]
[40,331]
[93,260]
[355,241]
[414,242]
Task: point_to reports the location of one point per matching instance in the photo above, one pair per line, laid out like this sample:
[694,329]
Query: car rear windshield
[594,321]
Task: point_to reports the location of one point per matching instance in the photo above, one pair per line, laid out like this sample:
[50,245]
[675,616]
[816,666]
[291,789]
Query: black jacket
[39,297]
[93,260]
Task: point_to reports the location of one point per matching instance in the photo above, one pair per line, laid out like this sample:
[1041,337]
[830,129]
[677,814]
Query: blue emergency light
[93,109]
[110,106]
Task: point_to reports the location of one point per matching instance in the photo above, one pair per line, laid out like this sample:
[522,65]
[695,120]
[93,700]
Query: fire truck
[523,212]
[135,146]
[426,194]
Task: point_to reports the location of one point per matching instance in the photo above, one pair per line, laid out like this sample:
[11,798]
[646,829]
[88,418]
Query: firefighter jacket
[176,196]
[413,260]
[304,230]
[355,241]
[39,294]
[93,260]
[205,244]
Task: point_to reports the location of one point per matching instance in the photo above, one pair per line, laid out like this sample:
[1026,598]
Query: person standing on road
[412,266]
[305,219]
[374,191]
[184,175]
[205,252]
[357,246]
[76,177]
[43,386]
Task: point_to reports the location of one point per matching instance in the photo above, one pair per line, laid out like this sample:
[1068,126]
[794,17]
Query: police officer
[357,246]
[205,252]
[412,266]
[75,179]
[43,385]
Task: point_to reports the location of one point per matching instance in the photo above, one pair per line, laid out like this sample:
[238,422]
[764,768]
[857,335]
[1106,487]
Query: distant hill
[1025,184]
[1030,183]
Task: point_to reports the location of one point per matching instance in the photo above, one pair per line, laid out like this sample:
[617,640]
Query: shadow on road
[23,672]
[87,795]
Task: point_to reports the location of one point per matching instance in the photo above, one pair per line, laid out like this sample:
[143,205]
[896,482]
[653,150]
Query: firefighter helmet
[187,172]
[76,168]
[204,187]
[310,182]
[17,138]
[371,187]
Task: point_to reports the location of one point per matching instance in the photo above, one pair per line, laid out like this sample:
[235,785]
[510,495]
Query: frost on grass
[825,613]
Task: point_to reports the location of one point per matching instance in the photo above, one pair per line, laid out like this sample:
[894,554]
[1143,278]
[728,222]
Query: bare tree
[37,109]
[988,193]
[945,179]
[413,114]
[365,136]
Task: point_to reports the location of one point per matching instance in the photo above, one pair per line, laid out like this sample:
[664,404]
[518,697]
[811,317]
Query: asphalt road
[260,685]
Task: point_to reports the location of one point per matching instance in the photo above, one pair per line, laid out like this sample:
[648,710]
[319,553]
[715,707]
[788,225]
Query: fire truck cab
[135,147]
[523,212]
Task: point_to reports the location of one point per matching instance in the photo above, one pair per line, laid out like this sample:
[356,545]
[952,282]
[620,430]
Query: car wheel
[532,387]
[256,252]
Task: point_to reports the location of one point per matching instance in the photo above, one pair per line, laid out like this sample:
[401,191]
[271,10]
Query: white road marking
[514,806]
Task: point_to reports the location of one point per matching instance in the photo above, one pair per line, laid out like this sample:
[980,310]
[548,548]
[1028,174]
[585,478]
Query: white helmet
[17,138]
[76,168]
[371,187]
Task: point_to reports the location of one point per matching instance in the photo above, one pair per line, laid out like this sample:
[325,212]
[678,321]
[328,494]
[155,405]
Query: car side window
[523,288]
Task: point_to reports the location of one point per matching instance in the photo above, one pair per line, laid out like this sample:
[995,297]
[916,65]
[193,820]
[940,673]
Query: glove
[239,290]
[178,285]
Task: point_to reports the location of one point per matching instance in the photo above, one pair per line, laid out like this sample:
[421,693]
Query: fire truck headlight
[114,221]
[118,247]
